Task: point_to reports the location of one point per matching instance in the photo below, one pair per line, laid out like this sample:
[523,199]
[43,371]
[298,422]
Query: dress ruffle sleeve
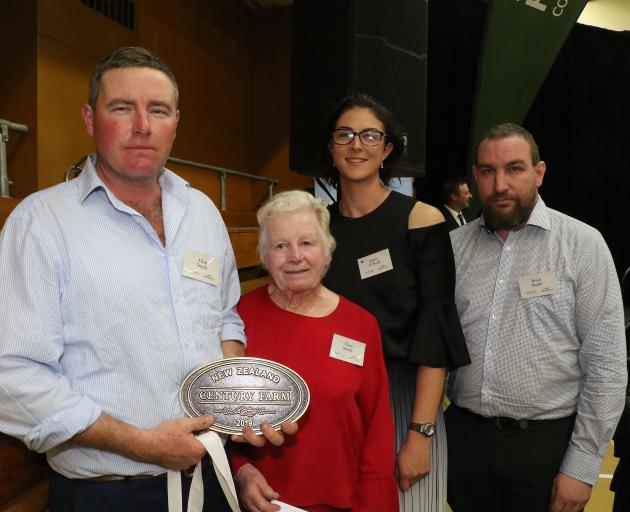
[438,340]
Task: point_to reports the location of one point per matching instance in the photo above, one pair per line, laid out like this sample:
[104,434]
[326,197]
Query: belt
[117,478]
[505,423]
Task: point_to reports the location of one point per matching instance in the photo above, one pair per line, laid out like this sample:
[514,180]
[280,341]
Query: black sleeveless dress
[413,302]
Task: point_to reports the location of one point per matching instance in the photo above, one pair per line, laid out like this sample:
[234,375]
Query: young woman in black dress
[394,258]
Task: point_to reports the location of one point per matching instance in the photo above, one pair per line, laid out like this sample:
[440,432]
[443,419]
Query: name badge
[375,264]
[347,349]
[202,267]
[537,285]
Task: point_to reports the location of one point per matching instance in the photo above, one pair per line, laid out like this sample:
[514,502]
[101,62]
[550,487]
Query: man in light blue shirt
[102,316]
[539,302]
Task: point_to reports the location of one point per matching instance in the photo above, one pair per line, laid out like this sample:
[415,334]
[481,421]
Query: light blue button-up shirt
[98,317]
[548,356]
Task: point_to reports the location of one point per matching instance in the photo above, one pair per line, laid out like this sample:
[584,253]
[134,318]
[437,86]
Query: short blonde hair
[291,201]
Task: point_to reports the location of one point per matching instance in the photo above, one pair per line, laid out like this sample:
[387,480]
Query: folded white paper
[285,507]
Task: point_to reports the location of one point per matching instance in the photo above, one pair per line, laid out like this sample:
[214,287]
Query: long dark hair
[392,134]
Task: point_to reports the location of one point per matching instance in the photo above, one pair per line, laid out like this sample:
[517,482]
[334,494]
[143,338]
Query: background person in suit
[457,197]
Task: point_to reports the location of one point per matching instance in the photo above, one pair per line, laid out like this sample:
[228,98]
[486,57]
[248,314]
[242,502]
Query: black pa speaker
[340,47]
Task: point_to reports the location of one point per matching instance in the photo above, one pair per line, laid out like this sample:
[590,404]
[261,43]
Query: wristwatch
[426,429]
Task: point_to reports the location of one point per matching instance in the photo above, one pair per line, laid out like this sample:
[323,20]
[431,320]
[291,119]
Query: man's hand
[569,494]
[275,437]
[254,493]
[232,348]
[171,444]
[413,461]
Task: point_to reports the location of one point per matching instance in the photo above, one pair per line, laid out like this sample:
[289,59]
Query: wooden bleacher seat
[35,499]
[6,207]
[244,238]
[239,219]
[244,242]
[23,478]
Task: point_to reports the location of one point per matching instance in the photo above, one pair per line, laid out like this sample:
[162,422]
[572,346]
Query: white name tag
[537,285]
[202,267]
[375,264]
[347,349]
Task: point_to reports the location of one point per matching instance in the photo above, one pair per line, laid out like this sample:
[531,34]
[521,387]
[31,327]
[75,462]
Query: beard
[517,216]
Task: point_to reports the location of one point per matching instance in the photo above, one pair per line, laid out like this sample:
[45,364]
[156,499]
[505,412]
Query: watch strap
[426,429]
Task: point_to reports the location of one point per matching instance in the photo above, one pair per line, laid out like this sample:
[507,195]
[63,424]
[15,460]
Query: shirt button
[494,317]
[500,281]
[507,247]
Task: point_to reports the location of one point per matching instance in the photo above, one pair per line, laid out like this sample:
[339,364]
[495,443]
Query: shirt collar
[89,179]
[452,212]
[169,181]
[539,216]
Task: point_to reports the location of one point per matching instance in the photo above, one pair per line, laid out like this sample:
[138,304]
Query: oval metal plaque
[244,392]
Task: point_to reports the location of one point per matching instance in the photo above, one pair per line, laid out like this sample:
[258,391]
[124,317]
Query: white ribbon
[214,446]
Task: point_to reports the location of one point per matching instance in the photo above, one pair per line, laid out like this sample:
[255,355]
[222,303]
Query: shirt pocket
[204,301]
[552,351]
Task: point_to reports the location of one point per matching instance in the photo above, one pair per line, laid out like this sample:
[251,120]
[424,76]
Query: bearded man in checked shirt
[540,306]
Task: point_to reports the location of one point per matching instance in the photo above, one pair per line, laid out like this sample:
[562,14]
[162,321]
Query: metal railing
[5,126]
[222,172]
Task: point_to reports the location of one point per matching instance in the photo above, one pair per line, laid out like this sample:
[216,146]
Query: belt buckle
[502,423]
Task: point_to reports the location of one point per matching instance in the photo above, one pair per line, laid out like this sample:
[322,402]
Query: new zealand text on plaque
[244,392]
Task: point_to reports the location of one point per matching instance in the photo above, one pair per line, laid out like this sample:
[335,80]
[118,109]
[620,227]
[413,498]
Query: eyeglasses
[368,137]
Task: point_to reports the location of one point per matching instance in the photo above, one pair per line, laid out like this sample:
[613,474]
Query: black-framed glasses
[368,137]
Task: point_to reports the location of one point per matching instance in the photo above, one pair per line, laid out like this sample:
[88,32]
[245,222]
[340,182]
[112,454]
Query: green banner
[522,40]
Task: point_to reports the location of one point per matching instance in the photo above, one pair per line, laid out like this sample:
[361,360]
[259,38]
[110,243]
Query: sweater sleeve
[377,485]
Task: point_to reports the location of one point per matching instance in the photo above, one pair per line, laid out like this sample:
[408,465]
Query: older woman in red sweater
[342,457]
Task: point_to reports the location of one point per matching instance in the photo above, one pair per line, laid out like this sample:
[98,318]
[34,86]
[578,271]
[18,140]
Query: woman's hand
[275,437]
[413,461]
[254,493]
